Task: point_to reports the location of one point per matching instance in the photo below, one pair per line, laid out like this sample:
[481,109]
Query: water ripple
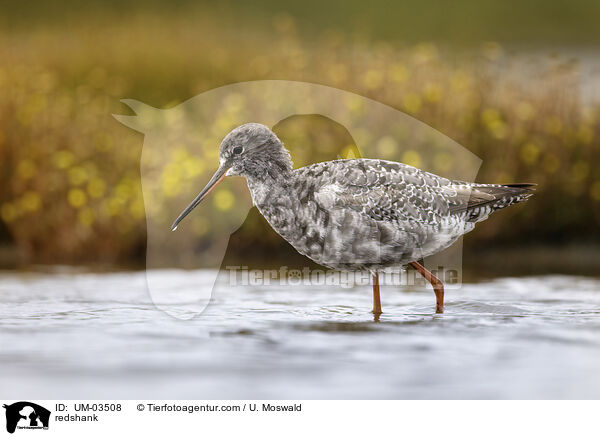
[100,335]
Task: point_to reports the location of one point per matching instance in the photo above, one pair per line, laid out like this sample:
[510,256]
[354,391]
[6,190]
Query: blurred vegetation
[69,173]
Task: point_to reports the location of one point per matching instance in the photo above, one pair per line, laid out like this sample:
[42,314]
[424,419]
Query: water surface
[83,335]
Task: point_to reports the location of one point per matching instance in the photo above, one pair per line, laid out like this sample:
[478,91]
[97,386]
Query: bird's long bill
[212,184]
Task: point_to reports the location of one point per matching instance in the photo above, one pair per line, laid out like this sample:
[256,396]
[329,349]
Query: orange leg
[376,297]
[438,286]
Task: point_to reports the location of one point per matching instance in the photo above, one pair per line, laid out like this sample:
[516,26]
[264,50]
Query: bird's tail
[505,195]
[485,199]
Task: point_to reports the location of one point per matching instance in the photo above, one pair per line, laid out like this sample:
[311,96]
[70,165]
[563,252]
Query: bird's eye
[238,150]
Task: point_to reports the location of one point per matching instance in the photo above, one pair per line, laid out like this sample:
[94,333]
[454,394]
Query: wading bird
[356,214]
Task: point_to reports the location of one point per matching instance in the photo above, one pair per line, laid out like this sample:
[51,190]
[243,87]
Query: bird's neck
[268,186]
[274,197]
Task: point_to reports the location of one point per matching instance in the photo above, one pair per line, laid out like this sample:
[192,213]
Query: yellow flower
[77,198]
[224,200]
[63,159]
[9,212]
[96,188]
[386,147]
[425,52]
[77,176]
[412,157]
[489,116]
[433,92]
[349,152]
[31,201]
[193,167]
[493,122]
[136,209]
[530,153]
[412,103]
[373,79]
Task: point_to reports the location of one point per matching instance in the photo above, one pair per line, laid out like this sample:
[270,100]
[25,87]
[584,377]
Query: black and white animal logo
[26,415]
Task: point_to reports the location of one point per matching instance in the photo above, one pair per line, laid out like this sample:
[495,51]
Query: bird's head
[251,150]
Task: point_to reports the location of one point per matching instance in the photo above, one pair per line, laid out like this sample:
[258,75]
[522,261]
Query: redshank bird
[356,214]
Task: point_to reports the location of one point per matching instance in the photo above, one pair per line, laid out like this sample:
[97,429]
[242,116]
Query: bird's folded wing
[386,191]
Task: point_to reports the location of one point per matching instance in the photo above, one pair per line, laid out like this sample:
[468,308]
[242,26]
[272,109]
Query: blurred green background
[515,82]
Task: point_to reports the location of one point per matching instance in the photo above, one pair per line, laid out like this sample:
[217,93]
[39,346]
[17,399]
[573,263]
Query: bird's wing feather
[394,191]
[385,191]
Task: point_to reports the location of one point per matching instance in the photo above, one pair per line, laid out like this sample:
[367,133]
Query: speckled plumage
[372,214]
[357,214]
